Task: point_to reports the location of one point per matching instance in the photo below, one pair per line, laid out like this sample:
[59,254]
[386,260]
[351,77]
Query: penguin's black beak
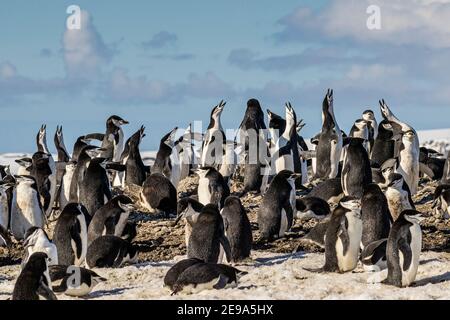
[123,122]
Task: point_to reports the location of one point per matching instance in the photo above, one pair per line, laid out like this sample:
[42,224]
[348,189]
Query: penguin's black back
[160,193]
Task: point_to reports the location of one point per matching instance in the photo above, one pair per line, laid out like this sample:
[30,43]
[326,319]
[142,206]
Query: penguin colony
[359,187]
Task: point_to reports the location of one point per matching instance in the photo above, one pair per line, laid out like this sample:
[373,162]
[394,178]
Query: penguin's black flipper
[289,214]
[222,282]
[404,248]
[115,166]
[343,234]
[45,292]
[75,231]
[95,136]
[315,270]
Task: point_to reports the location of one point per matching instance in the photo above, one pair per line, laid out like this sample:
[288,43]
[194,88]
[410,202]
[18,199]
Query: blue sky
[167,63]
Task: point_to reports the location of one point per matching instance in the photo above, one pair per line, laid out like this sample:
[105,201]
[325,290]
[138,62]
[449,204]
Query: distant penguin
[446,171]
[110,252]
[343,237]
[356,171]
[204,276]
[5,205]
[278,207]
[431,164]
[78,146]
[376,219]
[186,153]
[277,125]
[329,190]
[159,195]
[212,187]
[109,217]
[70,235]
[373,256]
[312,207]
[253,127]
[372,127]
[64,194]
[94,189]
[387,169]
[34,282]
[398,196]
[41,171]
[177,269]
[384,144]
[73,281]
[63,155]
[24,166]
[113,140]
[408,150]
[214,140]
[188,209]
[208,238]
[167,162]
[36,240]
[441,201]
[328,150]
[237,228]
[403,249]
[26,208]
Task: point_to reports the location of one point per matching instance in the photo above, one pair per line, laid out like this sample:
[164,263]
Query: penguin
[63,155]
[398,195]
[214,139]
[110,252]
[4,171]
[317,233]
[24,166]
[204,276]
[356,171]
[408,149]
[129,231]
[360,130]
[5,205]
[253,127]
[446,171]
[34,282]
[343,237]
[78,146]
[36,240]
[375,215]
[73,281]
[384,144]
[189,209]
[431,164]
[372,127]
[70,235]
[212,187]
[64,194]
[113,139]
[329,190]
[94,189]
[41,171]
[278,207]
[111,218]
[403,249]
[237,228]
[5,239]
[328,150]
[159,195]
[26,208]
[166,161]
[177,269]
[373,256]
[186,153]
[441,201]
[208,239]
[312,208]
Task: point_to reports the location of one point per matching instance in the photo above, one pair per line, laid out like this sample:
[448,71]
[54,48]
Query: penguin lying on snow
[403,249]
[159,195]
[73,281]
[343,237]
[34,282]
[36,240]
[193,276]
[110,252]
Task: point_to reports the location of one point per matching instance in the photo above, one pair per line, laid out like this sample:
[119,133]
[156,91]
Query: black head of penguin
[215,114]
[4,171]
[115,121]
[174,272]
[276,122]
[40,163]
[254,116]
[238,229]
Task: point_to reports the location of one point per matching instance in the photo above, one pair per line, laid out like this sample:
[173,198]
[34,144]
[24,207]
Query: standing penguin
[5,204]
[63,155]
[376,219]
[41,171]
[343,237]
[24,166]
[113,139]
[64,193]
[409,150]
[36,240]
[212,187]
[328,150]
[384,144]
[356,171]
[441,201]
[403,249]
[26,208]
[398,195]
[94,189]
[214,140]
[208,237]
[278,207]
[34,281]
[70,235]
[110,251]
[159,195]
[165,163]
[109,217]
[372,127]
[360,130]
[189,209]
[237,228]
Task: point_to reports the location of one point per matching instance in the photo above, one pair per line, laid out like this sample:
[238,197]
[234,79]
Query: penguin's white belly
[175,173]
[335,157]
[220,259]
[409,275]
[26,211]
[284,162]
[187,233]
[409,168]
[349,261]
[204,196]
[283,223]
[79,291]
[4,214]
[65,189]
